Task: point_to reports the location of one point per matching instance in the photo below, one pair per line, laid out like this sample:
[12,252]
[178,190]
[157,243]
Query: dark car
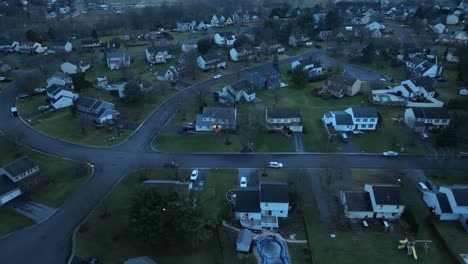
[318,46]
[441,79]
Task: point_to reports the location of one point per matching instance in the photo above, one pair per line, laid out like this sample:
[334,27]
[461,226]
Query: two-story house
[260,208]
[60,96]
[421,67]
[93,45]
[95,111]
[214,21]
[60,47]
[9,46]
[376,201]
[29,48]
[73,67]
[189,45]
[313,67]
[271,47]
[117,60]
[299,40]
[202,26]
[286,119]
[216,119]
[449,203]
[156,55]
[422,119]
[61,79]
[353,118]
[265,77]
[362,20]
[170,74]
[417,87]
[243,53]
[452,56]
[225,38]
[241,90]
[340,85]
[438,28]
[210,61]
[12,174]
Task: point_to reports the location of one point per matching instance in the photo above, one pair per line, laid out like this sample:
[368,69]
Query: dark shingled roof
[344,79]
[461,195]
[358,201]
[444,203]
[243,85]
[424,81]
[220,112]
[19,166]
[430,112]
[85,102]
[365,112]
[266,70]
[6,185]
[343,119]
[283,112]
[247,201]
[387,194]
[274,193]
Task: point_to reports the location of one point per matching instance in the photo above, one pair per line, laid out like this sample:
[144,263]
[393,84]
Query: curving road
[50,241]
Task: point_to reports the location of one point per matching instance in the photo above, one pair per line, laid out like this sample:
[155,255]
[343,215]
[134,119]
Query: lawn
[30,104]
[447,177]
[455,236]
[12,221]
[108,238]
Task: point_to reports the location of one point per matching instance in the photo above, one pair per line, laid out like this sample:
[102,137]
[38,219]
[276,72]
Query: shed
[244,240]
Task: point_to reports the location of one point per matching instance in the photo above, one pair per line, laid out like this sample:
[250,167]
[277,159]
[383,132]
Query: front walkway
[299,145]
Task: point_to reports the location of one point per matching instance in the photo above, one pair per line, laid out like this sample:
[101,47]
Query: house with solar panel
[95,111]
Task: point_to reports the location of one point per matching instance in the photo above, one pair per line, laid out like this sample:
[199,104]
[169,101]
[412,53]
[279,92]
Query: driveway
[298,144]
[352,146]
[33,210]
[252,177]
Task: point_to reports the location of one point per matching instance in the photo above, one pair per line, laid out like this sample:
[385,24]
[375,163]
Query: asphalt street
[51,241]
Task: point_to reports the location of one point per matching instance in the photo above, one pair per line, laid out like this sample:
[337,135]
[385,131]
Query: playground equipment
[409,243]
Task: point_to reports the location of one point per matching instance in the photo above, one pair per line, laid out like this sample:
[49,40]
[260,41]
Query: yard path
[322,199]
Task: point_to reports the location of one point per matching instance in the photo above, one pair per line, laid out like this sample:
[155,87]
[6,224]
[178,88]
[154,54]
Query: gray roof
[430,112]
[343,118]
[220,112]
[115,55]
[416,60]
[343,79]
[369,112]
[19,166]
[358,201]
[243,85]
[6,185]
[387,194]
[460,193]
[247,201]
[283,112]
[266,70]
[212,56]
[274,193]
[140,260]
[86,102]
[424,81]
[245,237]
[443,203]
[309,61]
[59,75]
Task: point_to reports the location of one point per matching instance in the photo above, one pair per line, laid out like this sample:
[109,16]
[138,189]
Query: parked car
[2,78]
[390,153]
[344,138]
[275,164]
[43,107]
[243,182]
[217,76]
[422,186]
[14,111]
[194,175]
[441,79]
[423,136]
[318,46]
[463,154]
[39,90]
[171,164]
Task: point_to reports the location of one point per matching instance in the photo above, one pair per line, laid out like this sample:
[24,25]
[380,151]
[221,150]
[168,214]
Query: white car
[217,76]
[39,90]
[194,175]
[275,164]
[42,107]
[243,182]
[390,153]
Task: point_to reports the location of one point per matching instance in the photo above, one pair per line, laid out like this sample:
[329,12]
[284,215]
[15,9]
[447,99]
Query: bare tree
[191,65]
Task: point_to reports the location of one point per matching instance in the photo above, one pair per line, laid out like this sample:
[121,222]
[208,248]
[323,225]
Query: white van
[423,186]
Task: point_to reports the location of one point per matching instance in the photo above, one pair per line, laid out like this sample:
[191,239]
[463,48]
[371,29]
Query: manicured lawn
[449,89]
[11,221]
[397,73]
[454,235]
[30,104]
[109,240]
[447,177]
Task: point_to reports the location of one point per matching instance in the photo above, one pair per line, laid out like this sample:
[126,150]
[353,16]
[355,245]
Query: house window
[281,211]
[358,119]
[266,204]
[393,214]
[364,120]
[372,120]
[398,206]
[436,120]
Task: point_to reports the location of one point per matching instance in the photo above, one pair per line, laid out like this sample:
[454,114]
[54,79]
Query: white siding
[10,196]
[276,209]
[244,215]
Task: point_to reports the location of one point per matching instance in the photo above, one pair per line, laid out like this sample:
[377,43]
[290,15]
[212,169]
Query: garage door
[10,196]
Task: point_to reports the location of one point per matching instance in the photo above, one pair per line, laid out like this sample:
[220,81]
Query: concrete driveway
[252,177]
[298,144]
[33,210]
[352,146]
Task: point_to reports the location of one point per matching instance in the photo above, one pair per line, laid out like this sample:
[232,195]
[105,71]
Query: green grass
[12,221]
[108,238]
[447,177]
[30,104]
[454,235]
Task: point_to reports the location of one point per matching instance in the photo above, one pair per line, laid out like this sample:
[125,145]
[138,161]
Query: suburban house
[421,67]
[375,25]
[9,46]
[140,35]
[452,56]
[210,61]
[189,45]
[421,119]
[325,35]
[5,67]
[186,26]
[214,21]
[117,60]
[299,40]
[216,119]
[417,87]
[373,33]
[101,81]
[61,79]
[376,201]
[60,47]
[438,28]
[460,37]
[313,67]
[244,53]
[241,90]
[60,97]
[95,111]
[340,85]
[271,47]
[92,45]
[450,203]
[170,74]
[12,174]
[260,208]
[451,19]
[353,118]
[202,26]
[363,20]
[156,55]
[225,38]
[283,119]
[70,67]
[265,77]
[30,48]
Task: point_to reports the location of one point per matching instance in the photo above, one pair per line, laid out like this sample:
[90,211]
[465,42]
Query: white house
[156,55]
[418,87]
[463,91]
[243,53]
[307,64]
[375,25]
[117,60]
[241,90]
[224,38]
[75,67]
[58,47]
[59,78]
[421,119]
[216,119]
[283,119]
[9,46]
[210,61]
[214,21]
[451,19]
[449,203]
[12,174]
[361,20]
[376,201]
[60,97]
[438,28]
[260,208]
[189,45]
[202,26]
[452,56]
[353,118]
[421,67]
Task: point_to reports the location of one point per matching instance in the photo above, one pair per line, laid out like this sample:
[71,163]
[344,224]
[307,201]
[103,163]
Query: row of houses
[216,21]
[29,48]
